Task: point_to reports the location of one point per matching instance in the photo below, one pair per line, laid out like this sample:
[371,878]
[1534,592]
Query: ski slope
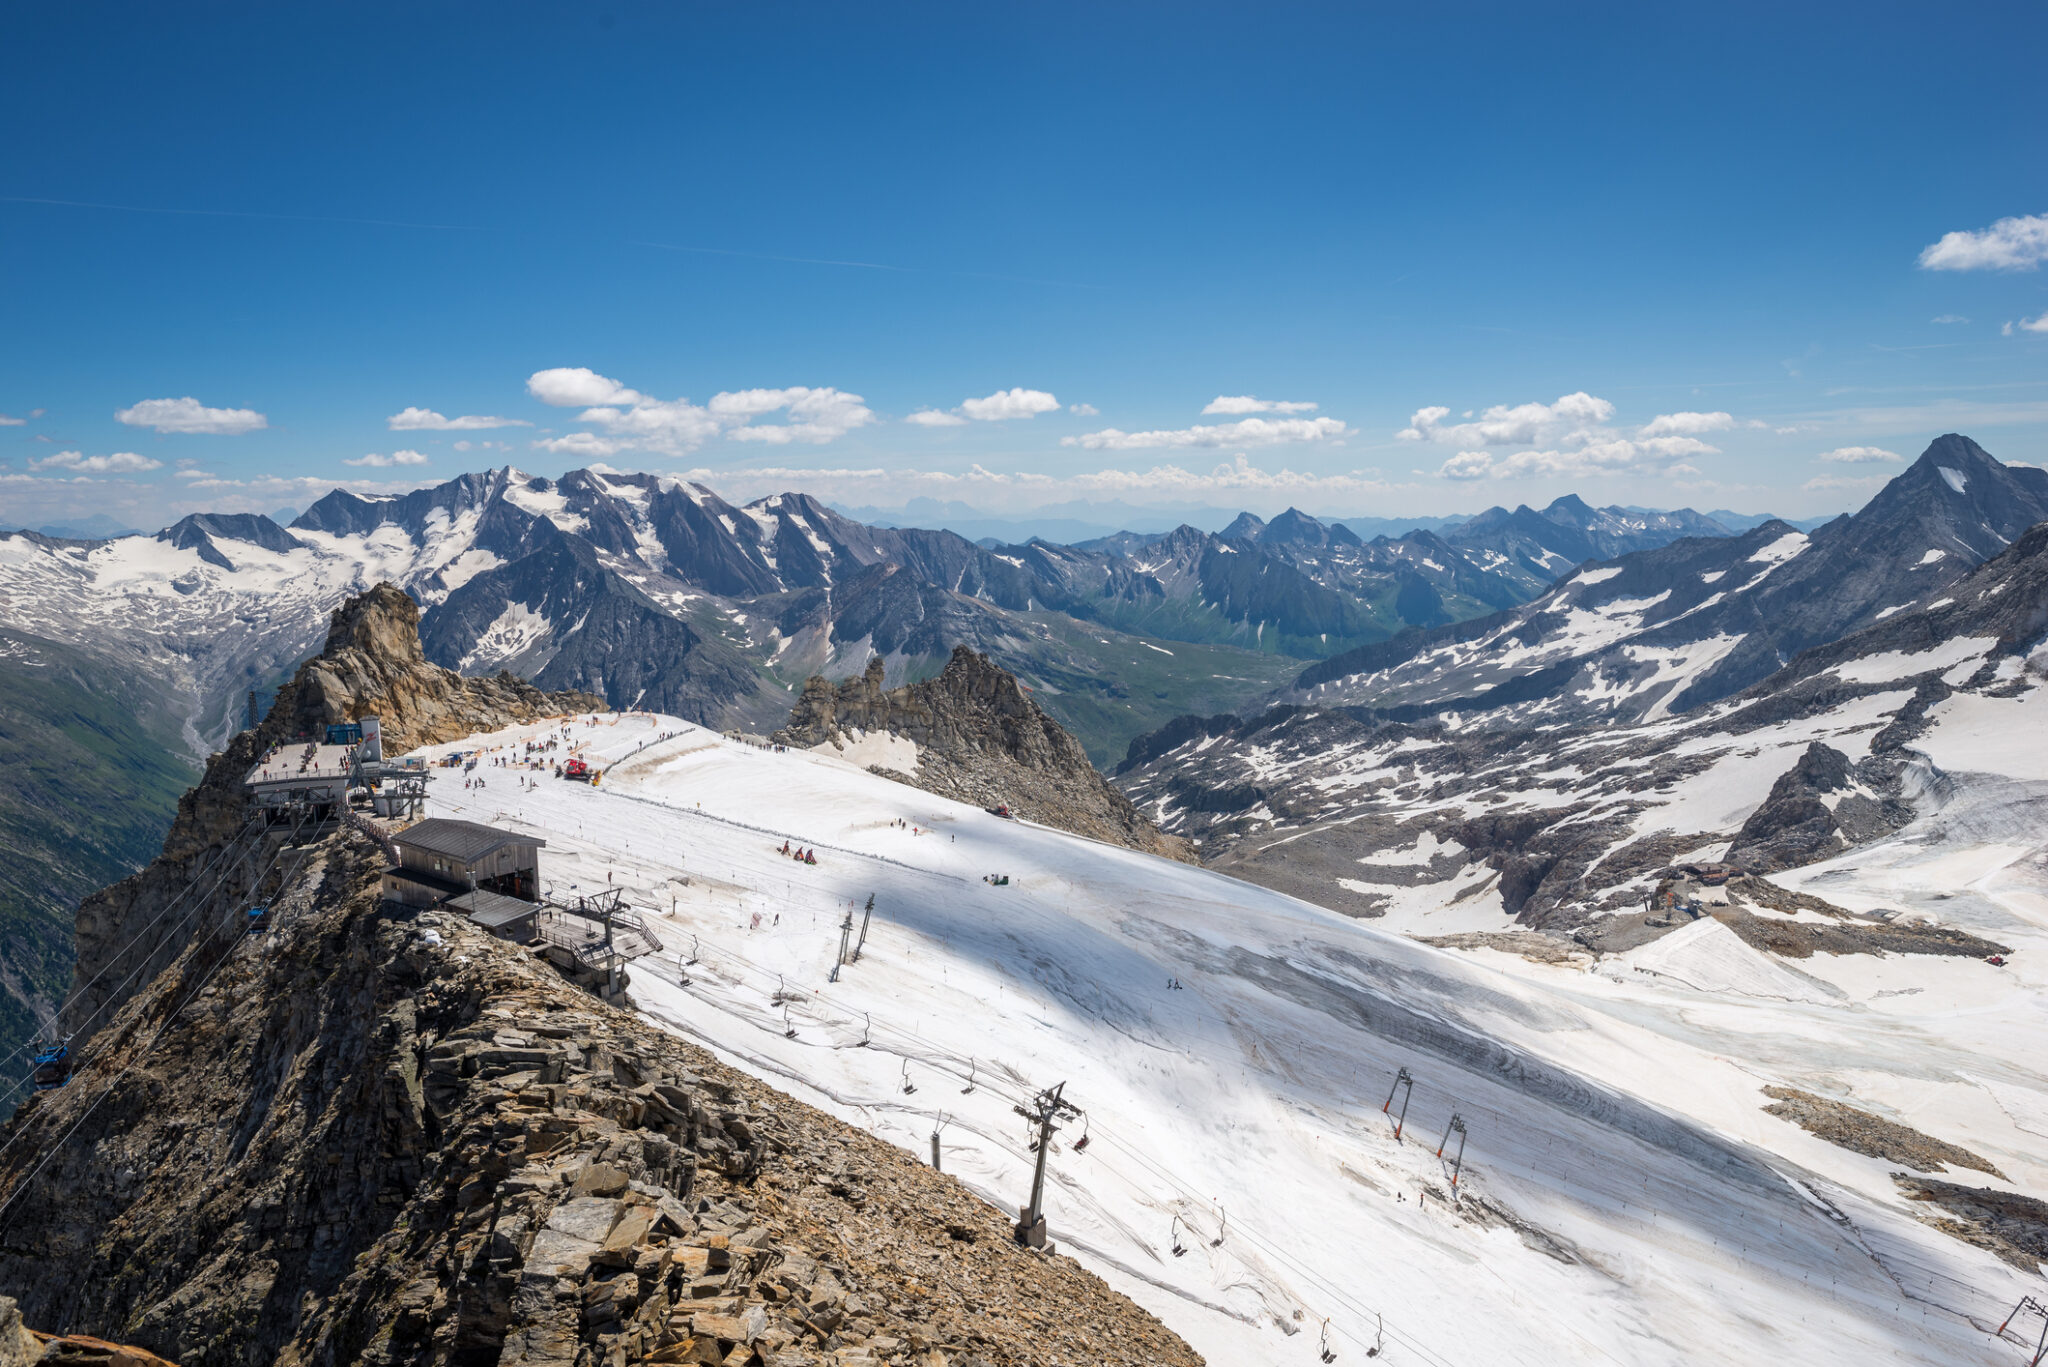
[1624,1199]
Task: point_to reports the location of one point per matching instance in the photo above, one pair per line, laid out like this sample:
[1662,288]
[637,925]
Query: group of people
[798,853]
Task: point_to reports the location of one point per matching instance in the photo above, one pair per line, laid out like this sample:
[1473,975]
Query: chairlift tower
[1046,1110]
[865,917]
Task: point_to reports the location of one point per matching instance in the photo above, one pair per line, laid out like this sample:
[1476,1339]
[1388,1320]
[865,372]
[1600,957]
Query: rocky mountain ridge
[385,1138]
[977,737]
[1662,631]
[1575,828]
[371,664]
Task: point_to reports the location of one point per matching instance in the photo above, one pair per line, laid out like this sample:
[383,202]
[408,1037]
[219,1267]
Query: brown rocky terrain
[980,738]
[2013,1226]
[379,1137]
[1861,1132]
[372,664]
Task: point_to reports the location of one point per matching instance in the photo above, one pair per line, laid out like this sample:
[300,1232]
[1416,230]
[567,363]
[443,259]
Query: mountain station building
[441,858]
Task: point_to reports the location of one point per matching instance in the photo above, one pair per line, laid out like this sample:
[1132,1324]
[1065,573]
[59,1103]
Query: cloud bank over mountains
[624,419]
[1572,437]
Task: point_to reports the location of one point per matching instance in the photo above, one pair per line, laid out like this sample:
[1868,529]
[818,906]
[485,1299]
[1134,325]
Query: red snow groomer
[1001,809]
[580,772]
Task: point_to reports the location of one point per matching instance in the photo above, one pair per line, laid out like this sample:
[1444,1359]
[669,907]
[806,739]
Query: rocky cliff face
[378,1138]
[371,665]
[1815,810]
[980,738]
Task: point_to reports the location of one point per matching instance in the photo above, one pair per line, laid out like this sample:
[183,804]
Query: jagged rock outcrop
[18,1347]
[382,1137]
[1816,809]
[982,739]
[372,664]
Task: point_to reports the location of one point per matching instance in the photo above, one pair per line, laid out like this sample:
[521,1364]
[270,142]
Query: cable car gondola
[259,920]
[52,1067]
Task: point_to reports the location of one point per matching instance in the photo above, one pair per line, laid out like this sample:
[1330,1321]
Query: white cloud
[2034,324]
[427,420]
[1949,318]
[124,462]
[628,420]
[191,416]
[1084,410]
[1567,438]
[1843,482]
[1686,424]
[1009,403]
[1610,455]
[6,421]
[1858,455]
[1245,432]
[932,417]
[1233,483]
[195,474]
[577,387]
[1467,465]
[2011,244]
[382,462]
[583,445]
[815,415]
[1521,424]
[1244,403]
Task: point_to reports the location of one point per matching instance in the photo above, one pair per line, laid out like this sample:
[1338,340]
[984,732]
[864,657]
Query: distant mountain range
[1671,628]
[657,592]
[1757,698]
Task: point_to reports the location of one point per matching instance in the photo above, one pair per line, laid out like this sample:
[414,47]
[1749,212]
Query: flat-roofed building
[508,918]
[302,773]
[440,858]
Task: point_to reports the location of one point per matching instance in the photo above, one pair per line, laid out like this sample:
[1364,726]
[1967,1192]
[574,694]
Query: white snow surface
[1780,550]
[1614,1119]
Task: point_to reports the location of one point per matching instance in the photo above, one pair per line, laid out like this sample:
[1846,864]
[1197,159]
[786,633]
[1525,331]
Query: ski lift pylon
[1401,1080]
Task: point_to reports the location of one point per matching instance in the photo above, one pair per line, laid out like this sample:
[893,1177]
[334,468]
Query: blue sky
[1703,232]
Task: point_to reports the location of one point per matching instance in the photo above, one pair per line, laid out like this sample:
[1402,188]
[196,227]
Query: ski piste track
[1616,1205]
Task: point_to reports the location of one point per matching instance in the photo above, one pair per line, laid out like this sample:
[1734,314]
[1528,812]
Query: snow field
[1663,1218]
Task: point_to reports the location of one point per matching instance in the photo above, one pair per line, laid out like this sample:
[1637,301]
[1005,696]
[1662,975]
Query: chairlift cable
[191,883]
[14,1084]
[745,966]
[58,1147]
